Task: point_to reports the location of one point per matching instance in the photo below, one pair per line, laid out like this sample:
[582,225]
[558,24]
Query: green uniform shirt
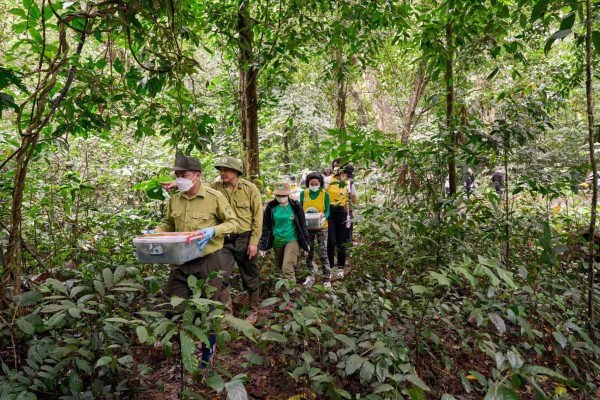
[205,209]
[284,227]
[246,203]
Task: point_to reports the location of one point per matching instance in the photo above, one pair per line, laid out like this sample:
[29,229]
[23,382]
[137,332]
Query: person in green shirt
[315,203]
[284,230]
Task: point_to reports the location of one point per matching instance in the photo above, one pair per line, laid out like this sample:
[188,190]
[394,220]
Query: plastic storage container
[167,247]
[314,220]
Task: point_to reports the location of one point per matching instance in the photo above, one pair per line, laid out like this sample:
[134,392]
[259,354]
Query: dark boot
[252,317]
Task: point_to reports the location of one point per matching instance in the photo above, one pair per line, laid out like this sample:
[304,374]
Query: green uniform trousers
[200,268]
[236,250]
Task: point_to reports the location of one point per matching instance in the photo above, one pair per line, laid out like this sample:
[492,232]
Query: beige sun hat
[282,189]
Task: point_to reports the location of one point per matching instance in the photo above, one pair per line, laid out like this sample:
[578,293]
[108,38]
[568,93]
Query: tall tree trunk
[341,95]
[419,84]
[363,117]
[593,205]
[286,149]
[39,119]
[450,110]
[341,92]
[385,117]
[248,96]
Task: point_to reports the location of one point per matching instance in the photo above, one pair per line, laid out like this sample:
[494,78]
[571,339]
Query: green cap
[231,163]
[186,163]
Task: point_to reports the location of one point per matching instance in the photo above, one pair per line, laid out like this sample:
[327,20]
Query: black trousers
[337,236]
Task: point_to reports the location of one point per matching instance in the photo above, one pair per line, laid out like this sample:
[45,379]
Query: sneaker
[327,285]
[309,281]
[340,273]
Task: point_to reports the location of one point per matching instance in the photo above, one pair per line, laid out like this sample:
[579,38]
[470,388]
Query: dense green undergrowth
[431,308]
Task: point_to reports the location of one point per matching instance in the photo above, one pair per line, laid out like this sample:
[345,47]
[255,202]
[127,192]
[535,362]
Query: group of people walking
[236,228]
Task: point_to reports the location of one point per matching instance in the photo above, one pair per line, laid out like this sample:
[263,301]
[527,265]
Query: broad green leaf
[416,393]
[416,381]
[25,326]
[188,352]
[271,336]
[107,274]
[367,370]
[353,363]
[596,40]
[235,389]
[142,333]
[351,343]
[176,300]
[216,382]
[27,299]
[447,396]
[560,339]
[57,285]
[103,361]
[419,289]
[498,322]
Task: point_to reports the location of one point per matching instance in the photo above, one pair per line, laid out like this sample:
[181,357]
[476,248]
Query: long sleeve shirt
[207,208]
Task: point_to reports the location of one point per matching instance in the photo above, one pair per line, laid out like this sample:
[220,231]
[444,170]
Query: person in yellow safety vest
[339,217]
[315,202]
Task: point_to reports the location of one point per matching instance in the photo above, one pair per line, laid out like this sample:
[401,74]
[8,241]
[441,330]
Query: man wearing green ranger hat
[196,208]
[242,246]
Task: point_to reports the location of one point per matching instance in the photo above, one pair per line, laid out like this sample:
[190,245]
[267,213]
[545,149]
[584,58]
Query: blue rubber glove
[150,231]
[208,233]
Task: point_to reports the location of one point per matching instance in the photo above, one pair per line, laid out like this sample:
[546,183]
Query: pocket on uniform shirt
[242,205]
[178,218]
[200,220]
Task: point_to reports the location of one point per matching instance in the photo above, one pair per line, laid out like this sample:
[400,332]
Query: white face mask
[184,184]
[282,199]
[314,188]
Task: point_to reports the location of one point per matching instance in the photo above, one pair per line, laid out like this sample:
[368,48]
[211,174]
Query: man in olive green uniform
[197,208]
[241,246]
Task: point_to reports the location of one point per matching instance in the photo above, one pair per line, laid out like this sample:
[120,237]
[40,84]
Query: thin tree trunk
[12,272]
[450,110]
[248,94]
[419,84]
[363,117]
[286,149]
[341,95]
[506,205]
[593,205]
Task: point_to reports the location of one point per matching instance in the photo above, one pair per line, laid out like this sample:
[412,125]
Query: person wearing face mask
[335,169]
[339,217]
[284,230]
[315,199]
[197,208]
[240,247]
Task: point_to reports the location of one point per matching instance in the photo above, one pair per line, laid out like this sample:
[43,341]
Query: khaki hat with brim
[282,189]
[186,163]
[231,163]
